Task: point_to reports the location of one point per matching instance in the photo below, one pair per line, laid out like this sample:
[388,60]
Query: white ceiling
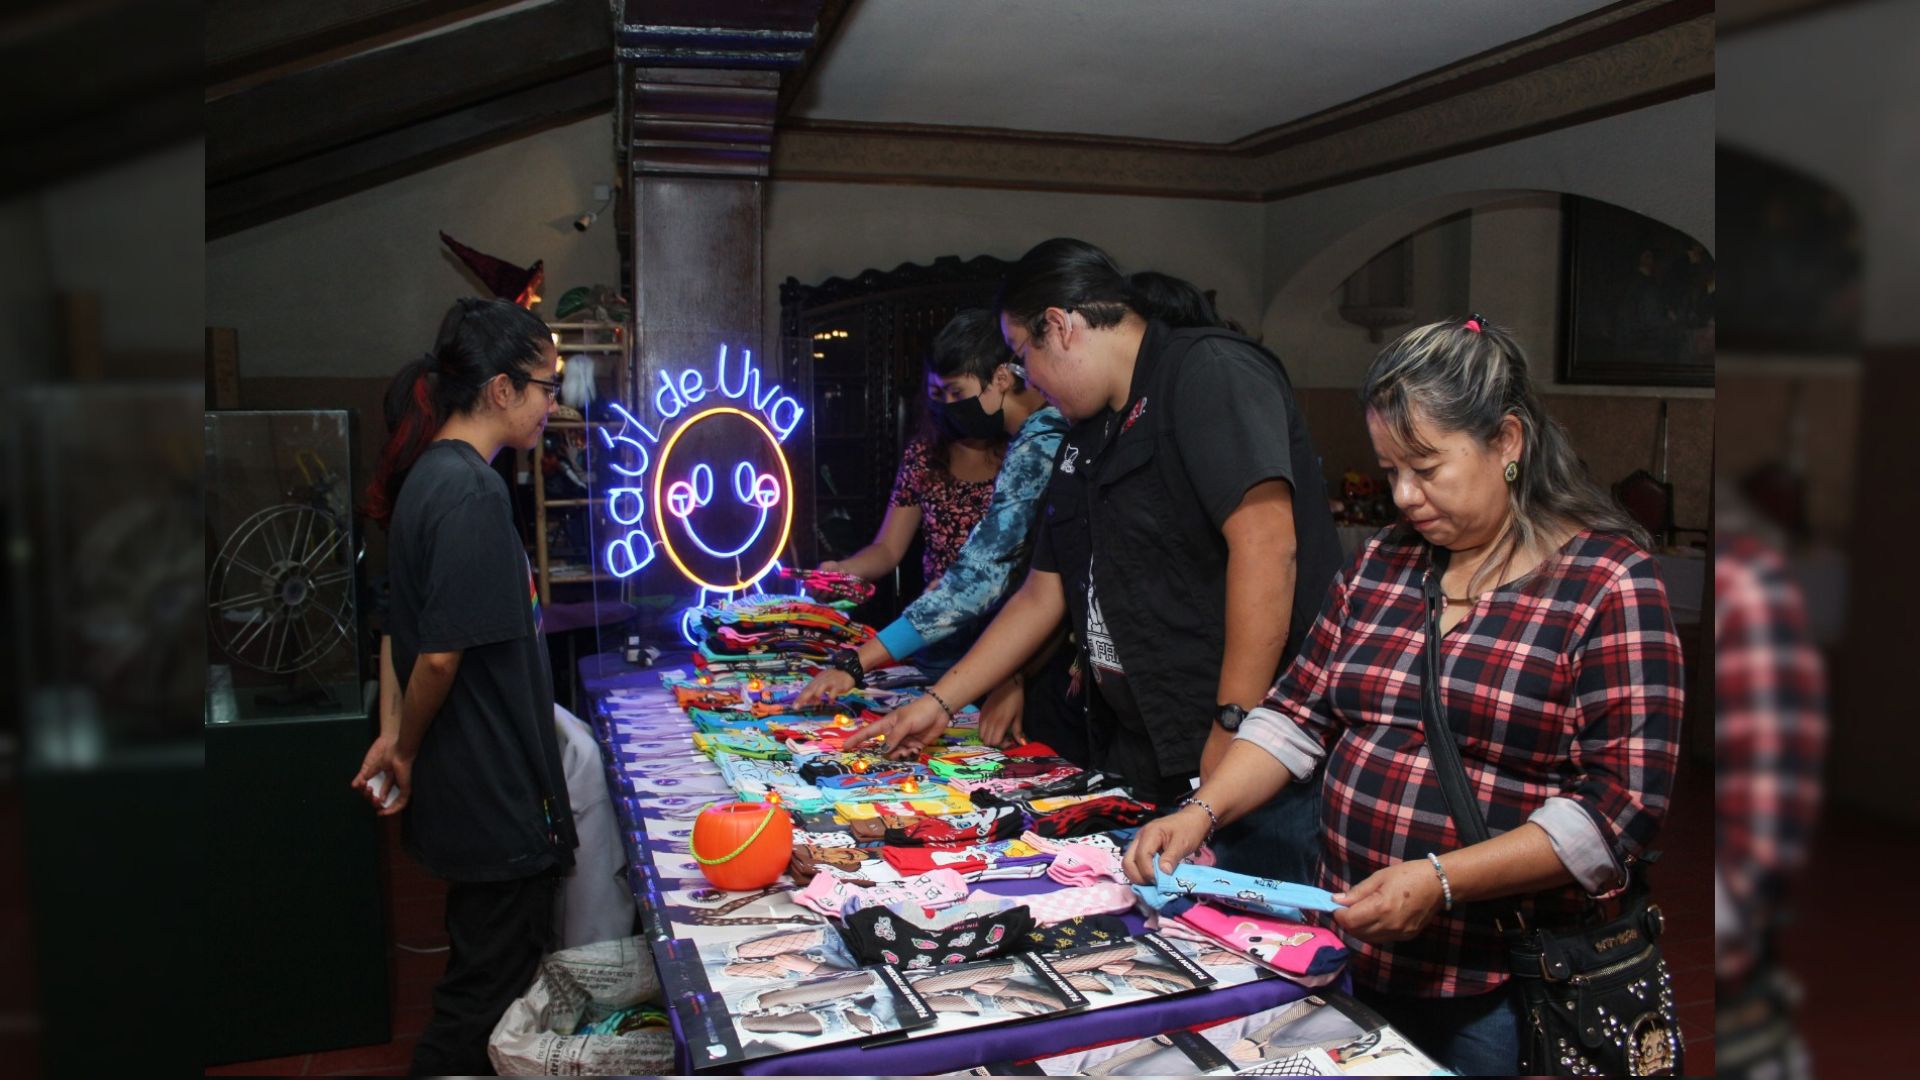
[1190,70]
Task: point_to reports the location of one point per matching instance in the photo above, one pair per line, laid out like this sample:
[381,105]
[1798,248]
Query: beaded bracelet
[1213,820]
[942,702]
[1446,887]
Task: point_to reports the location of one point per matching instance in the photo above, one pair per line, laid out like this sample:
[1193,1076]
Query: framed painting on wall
[1638,300]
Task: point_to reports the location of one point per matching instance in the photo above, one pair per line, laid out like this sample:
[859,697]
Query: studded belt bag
[1595,1000]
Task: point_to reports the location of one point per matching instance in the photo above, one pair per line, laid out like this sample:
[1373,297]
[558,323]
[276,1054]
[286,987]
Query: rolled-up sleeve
[1294,724]
[1626,746]
[977,581]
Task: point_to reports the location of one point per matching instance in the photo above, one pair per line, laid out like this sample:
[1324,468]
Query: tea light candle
[843,720]
[860,766]
[910,786]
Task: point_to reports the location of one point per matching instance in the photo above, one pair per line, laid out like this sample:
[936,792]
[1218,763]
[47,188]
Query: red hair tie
[1473,324]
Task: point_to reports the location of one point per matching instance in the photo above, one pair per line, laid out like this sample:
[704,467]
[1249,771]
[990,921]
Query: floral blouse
[949,507]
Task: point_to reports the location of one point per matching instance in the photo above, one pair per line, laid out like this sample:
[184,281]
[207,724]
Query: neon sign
[713,532]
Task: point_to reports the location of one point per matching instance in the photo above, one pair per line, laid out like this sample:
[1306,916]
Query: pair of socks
[1080,782]
[1031,750]
[830,894]
[808,861]
[1077,932]
[1283,899]
[1008,786]
[938,803]
[1061,802]
[880,936]
[1291,947]
[1062,905]
[972,860]
[1055,847]
[1096,816]
[1000,823]
[1084,864]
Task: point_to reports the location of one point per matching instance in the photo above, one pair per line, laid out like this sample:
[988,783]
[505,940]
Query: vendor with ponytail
[475,767]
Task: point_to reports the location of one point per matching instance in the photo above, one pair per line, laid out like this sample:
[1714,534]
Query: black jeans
[498,931]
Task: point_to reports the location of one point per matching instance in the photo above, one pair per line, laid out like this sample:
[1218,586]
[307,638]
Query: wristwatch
[848,660]
[1229,718]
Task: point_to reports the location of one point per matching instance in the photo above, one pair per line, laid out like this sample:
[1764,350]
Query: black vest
[1161,565]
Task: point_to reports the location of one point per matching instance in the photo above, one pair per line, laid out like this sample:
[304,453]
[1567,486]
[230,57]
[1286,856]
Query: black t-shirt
[1237,424]
[489,798]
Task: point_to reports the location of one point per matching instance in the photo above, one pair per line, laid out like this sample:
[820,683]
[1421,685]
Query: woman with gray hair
[1560,679]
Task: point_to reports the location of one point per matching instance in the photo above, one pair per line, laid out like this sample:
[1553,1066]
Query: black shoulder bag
[1594,1000]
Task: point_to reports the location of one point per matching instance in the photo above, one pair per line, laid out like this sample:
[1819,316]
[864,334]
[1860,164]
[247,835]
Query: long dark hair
[970,344]
[1065,273]
[1469,376]
[478,340]
[1177,302]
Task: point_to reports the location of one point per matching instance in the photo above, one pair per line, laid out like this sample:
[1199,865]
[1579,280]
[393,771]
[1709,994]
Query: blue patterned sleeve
[980,577]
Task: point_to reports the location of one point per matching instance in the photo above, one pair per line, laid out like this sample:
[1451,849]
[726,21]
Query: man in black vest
[1186,539]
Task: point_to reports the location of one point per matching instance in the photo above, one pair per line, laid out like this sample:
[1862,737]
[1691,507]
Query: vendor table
[603,673]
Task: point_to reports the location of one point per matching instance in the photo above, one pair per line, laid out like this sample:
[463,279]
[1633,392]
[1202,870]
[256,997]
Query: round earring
[1513,471]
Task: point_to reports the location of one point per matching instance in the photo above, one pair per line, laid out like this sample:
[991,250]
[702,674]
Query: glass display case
[303,965]
[283,617]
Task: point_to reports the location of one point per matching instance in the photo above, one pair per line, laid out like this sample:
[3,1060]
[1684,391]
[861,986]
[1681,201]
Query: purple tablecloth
[937,1053]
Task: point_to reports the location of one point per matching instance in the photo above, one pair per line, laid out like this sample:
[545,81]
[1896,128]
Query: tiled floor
[1682,883]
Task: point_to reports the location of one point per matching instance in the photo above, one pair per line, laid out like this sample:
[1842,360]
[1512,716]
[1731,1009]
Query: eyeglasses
[551,386]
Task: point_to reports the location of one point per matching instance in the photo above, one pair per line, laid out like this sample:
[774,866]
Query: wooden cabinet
[854,351]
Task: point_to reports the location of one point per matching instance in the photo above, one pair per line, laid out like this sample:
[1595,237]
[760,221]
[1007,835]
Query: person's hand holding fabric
[1172,838]
[1394,904]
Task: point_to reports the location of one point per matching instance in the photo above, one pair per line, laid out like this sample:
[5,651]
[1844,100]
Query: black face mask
[968,419]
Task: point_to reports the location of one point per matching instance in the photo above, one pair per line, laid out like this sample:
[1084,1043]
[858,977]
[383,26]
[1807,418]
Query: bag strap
[1467,818]
[1440,741]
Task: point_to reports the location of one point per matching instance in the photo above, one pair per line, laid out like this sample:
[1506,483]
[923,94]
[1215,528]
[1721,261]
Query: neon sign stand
[655,453]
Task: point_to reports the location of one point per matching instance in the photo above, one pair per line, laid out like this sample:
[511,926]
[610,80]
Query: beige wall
[345,292]
[355,287]
[818,231]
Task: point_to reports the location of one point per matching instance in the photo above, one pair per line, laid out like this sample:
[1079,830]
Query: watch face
[1230,716]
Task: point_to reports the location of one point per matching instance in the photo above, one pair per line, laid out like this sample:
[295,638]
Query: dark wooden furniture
[854,350]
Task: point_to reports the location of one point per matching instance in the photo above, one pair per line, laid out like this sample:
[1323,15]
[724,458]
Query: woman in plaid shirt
[1562,682]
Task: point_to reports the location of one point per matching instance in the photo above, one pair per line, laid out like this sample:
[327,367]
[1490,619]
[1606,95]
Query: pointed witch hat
[502,278]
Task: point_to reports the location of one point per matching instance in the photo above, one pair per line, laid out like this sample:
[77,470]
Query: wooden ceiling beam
[140,89]
[367,163]
[368,94]
[248,36]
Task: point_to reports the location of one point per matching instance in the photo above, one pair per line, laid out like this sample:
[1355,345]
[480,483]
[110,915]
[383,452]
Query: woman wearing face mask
[946,476]
[1560,677]
[936,628]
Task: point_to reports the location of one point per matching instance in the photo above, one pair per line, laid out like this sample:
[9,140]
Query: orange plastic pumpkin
[742,845]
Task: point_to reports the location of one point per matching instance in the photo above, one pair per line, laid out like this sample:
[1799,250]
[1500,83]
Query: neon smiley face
[677,506]
[750,486]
